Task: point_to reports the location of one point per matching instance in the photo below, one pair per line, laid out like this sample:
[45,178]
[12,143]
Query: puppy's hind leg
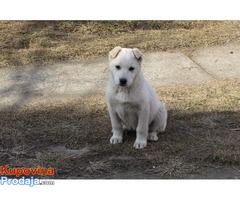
[158,124]
[152,136]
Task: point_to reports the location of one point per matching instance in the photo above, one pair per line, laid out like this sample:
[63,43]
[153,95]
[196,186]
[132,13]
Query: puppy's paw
[140,143]
[116,139]
[124,127]
[152,136]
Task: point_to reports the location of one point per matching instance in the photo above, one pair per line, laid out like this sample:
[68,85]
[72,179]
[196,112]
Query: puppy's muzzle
[122,82]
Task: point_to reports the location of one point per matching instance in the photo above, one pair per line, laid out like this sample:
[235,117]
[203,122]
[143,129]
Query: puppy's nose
[122,81]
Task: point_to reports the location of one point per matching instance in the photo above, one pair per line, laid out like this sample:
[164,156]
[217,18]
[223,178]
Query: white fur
[135,105]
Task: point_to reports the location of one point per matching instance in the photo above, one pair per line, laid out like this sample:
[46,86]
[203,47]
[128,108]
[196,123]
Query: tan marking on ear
[138,54]
[114,52]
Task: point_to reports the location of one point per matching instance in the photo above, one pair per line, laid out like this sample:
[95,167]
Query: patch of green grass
[28,42]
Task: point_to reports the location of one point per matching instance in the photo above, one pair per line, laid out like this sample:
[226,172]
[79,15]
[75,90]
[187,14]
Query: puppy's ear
[113,53]
[138,54]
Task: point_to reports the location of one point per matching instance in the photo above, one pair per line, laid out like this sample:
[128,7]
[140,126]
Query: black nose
[123,81]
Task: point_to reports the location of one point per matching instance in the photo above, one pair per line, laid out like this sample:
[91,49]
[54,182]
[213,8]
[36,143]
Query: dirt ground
[72,136]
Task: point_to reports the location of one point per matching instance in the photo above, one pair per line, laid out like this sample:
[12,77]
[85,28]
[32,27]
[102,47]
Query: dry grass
[27,42]
[203,131]
[73,136]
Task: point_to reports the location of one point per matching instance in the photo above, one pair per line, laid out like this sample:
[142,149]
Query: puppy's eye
[131,68]
[118,67]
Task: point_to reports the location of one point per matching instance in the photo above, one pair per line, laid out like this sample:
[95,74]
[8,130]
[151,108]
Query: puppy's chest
[125,97]
[127,106]
[128,113]
[126,102]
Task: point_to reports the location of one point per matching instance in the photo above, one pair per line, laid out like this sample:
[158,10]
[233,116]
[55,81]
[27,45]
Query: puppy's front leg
[117,128]
[142,129]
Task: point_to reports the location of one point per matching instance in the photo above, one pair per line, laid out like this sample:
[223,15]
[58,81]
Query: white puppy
[132,103]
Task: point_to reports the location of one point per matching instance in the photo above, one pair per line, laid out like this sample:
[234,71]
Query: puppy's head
[125,65]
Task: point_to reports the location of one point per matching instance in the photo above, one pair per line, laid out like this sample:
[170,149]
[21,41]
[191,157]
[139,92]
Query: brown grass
[27,42]
[202,131]
[73,136]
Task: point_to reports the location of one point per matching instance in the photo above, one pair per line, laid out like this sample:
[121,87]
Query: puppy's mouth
[122,82]
[122,85]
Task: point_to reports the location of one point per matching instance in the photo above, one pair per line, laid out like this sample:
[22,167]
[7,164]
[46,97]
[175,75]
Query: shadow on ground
[74,140]
[202,138]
